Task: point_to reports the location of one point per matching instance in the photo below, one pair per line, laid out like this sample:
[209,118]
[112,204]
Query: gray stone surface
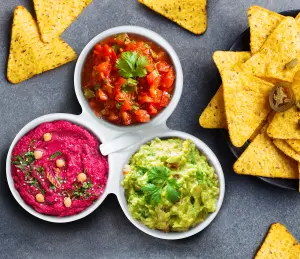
[250,206]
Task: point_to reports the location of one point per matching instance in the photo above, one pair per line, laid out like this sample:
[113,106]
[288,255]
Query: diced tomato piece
[165,99]
[126,118]
[153,78]
[109,90]
[104,69]
[126,106]
[168,80]
[120,96]
[145,99]
[93,103]
[98,49]
[151,109]
[101,95]
[118,84]
[150,78]
[113,117]
[142,116]
[163,66]
[157,96]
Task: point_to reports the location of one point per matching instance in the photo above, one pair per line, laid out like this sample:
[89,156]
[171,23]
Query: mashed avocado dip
[169,185]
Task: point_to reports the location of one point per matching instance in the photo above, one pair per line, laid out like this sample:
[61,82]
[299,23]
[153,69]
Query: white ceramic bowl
[153,37]
[212,160]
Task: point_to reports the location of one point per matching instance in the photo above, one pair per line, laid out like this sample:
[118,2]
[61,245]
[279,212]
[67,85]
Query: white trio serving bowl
[121,142]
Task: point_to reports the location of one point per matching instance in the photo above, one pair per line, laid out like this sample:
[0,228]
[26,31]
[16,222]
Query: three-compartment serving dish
[119,143]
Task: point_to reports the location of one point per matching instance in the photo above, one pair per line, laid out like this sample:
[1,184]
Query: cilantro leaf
[56,154]
[173,195]
[131,65]
[153,194]
[158,175]
[200,177]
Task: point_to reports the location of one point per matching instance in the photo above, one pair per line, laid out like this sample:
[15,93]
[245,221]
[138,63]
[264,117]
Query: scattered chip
[286,149]
[54,16]
[298,16]
[285,125]
[282,46]
[28,55]
[214,114]
[190,14]
[263,158]
[279,244]
[262,23]
[246,104]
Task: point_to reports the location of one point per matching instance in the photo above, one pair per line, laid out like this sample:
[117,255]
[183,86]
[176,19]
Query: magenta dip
[58,169]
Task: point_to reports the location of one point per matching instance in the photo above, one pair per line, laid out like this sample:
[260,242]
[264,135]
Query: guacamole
[169,185]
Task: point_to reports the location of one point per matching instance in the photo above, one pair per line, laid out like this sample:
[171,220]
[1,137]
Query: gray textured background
[250,206]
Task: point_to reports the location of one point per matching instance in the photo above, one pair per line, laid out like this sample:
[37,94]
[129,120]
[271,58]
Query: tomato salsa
[127,79]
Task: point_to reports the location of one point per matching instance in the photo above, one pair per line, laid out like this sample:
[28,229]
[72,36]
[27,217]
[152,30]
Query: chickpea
[67,202]
[47,136]
[40,198]
[60,163]
[38,154]
[81,177]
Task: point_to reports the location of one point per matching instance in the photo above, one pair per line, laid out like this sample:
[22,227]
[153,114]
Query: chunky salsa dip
[169,185]
[127,79]
[58,169]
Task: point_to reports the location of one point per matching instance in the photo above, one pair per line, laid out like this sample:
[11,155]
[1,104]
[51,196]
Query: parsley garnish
[24,161]
[158,180]
[131,65]
[53,187]
[40,170]
[56,154]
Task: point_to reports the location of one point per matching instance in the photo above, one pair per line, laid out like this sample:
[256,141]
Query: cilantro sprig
[132,65]
[158,179]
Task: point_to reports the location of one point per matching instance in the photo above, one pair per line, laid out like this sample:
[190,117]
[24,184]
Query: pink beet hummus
[58,169]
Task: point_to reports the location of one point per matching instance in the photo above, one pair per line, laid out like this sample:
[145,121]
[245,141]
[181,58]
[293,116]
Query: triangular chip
[54,16]
[246,104]
[294,144]
[280,48]
[298,16]
[286,149]
[214,114]
[263,158]
[262,23]
[285,125]
[279,244]
[28,55]
[190,14]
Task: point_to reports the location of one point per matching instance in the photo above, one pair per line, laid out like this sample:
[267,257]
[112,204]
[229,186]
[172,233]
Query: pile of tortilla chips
[35,46]
[241,104]
[190,14]
[279,244]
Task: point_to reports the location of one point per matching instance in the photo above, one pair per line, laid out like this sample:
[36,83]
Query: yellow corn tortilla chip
[246,104]
[294,144]
[54,16]
[286,149]
[298,16]
[190,14]
[262,23]
[279,244]
[285,124]
[214,114]
[28,55]
[263,158]
[282,46]
[213,117]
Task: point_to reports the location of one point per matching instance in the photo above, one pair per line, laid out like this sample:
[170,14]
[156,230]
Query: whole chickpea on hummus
[58,169]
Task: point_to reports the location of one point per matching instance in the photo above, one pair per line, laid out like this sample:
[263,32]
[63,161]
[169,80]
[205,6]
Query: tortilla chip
[28,55]
[279,244]
[285,124]
[246,104]
[213,117]
[214,114]
[298,16]
[286,149]
[54,16]
[262,23]
[263,158]
[282,46]
[294,144]
[190,14]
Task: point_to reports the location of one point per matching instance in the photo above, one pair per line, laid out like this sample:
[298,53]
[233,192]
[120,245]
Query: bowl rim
[212,160]
[75,119]
[152,36]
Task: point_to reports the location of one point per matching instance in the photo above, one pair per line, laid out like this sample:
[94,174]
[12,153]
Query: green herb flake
[56,154]
[40,170]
